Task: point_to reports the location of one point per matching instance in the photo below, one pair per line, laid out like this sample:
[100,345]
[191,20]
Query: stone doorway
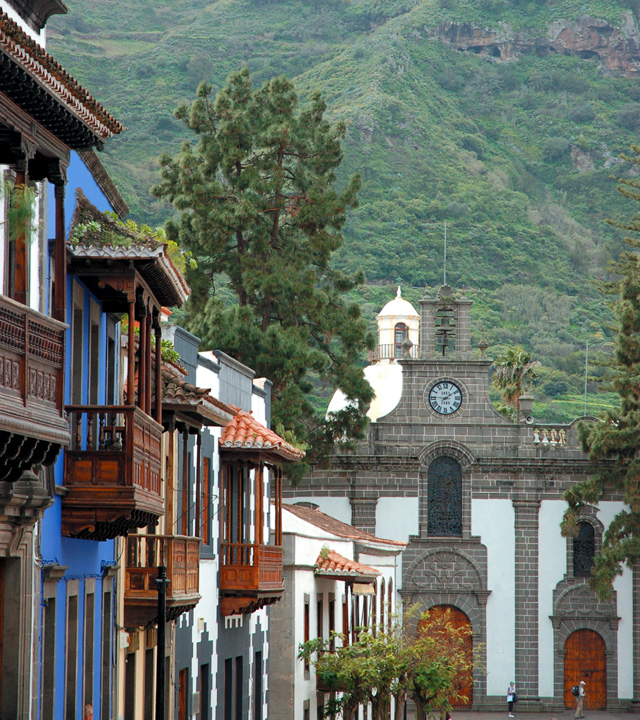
[586,659]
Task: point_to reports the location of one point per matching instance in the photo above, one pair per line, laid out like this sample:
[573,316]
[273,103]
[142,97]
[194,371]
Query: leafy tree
[514,373]
[420,661]
[614,443]
[259,209]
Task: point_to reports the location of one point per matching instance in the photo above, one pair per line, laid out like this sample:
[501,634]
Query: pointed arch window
[444,498]
[400,334]
[584,549]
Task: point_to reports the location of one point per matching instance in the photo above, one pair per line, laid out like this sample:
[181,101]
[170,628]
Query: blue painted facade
[77,578]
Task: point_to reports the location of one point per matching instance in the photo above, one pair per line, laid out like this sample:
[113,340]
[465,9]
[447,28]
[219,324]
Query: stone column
[427,328]
[363,513]
[463,327]
[526,597]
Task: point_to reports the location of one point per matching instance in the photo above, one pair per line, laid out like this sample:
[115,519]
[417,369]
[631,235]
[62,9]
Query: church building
[479,500]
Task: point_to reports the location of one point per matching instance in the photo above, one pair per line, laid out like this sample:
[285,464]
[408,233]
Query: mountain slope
[494,116]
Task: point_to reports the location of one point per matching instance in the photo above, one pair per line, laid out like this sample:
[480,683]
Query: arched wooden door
[585,659]
[459,620]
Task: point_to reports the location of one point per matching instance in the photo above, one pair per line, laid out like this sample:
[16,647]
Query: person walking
[511,696]
[580,699]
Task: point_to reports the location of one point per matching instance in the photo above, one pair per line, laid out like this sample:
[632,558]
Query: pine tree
[614,443]
[259,209]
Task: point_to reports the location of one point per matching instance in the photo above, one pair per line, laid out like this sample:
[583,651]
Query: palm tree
[514,372]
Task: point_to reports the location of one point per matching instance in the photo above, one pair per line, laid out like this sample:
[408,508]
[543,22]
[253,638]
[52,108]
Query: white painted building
[337,578]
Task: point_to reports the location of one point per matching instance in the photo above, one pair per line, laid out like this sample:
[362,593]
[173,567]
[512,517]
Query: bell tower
[445,330]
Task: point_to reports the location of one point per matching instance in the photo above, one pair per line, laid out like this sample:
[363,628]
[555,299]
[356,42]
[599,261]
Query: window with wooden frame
[89,641]
[77,344]
[71,657]
[332,621]
[307,629]
[206,500]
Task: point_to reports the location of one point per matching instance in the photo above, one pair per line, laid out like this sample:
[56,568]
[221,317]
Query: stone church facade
[478,499]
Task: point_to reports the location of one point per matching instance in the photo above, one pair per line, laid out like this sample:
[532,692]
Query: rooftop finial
[399,293]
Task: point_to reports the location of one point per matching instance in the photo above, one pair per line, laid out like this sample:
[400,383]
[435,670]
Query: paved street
[566,715]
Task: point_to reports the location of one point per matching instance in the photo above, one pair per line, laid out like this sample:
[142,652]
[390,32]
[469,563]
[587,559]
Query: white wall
[552,567]
[397,518]
[493,522]
[338,507]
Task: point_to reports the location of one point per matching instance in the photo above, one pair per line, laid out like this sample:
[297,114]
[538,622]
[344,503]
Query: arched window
[444,498]
[382,606]
[584,549]
[390,606]
[399,336]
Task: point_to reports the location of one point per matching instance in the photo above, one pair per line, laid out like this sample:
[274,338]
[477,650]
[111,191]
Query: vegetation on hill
[516,155]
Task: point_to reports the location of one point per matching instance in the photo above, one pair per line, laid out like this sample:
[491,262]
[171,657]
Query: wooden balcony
[111,472]
[250,577]
[144,553]
[32,423]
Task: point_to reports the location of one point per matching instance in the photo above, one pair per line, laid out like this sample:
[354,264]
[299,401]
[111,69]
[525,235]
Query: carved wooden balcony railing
[144,553]
[32,423]
[250,576]
[111,472]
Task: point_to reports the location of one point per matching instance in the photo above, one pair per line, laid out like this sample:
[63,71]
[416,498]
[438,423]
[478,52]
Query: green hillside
[515,155]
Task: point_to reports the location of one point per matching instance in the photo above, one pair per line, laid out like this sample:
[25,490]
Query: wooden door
[459,620]
[586,659]
[182,694]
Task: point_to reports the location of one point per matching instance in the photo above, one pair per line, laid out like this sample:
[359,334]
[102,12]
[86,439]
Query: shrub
[629,116]
[582,113]
[555,148]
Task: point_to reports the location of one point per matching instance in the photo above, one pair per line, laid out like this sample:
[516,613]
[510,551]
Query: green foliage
[613,442]
[513,373]
[22,209]
[258,206]
[418,660]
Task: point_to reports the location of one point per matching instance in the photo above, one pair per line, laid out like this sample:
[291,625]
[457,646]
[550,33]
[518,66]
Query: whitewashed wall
[493,522]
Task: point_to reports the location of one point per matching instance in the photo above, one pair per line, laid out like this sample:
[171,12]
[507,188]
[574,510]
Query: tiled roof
[330,524]
[35,61]
[178,394]
[331,563]
[109,241]
[244,432]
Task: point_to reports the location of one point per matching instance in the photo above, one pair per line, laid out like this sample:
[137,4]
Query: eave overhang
[40,86]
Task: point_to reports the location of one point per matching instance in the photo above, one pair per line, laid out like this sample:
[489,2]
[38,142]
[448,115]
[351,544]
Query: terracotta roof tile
[39,64]
[330,524]
[176,392]
[244,432]
[330,562]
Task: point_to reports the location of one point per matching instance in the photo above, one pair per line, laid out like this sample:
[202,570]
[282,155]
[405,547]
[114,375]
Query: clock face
[445,397]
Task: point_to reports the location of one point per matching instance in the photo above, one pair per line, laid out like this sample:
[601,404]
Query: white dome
[386,381]
[398,308]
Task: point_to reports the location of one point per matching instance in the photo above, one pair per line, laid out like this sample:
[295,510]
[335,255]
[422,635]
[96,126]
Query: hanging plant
[22,210]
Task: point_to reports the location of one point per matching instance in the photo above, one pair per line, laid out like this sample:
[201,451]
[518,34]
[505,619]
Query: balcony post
[21,269]
[198,523]
[131,353]
[60,252]
[142,364]
[162,581]
[147,390]
[158,332]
